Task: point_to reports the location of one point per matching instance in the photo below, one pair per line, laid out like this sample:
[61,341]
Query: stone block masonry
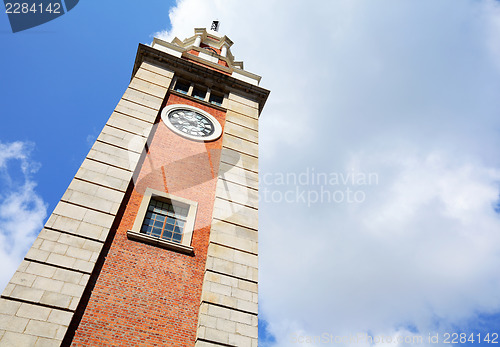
[229,302]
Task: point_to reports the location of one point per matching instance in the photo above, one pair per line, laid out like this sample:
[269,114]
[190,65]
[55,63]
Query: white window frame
[187,234]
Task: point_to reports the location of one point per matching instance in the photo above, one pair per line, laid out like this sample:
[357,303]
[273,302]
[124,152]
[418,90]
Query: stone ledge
[133,235]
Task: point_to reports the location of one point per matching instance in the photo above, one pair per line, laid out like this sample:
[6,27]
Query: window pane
[180,212]
[182,87]
[199,93]
[164,224]
[167,235]
[216,99]
[156,231]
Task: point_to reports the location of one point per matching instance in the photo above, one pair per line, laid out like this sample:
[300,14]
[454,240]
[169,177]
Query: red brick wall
[209,66]
[145,295]
[223,62]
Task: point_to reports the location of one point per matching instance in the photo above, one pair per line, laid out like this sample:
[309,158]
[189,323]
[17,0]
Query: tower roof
[208,48]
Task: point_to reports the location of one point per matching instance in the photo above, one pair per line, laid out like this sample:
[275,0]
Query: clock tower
[154,243]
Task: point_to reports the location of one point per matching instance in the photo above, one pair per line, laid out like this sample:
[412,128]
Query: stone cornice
[188,69]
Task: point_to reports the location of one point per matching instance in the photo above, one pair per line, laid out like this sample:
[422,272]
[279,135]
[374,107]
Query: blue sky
[407,90]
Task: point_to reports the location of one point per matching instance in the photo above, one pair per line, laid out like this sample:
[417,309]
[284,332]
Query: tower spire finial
[215,25]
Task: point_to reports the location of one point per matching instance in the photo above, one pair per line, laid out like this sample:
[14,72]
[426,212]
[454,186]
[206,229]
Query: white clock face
[191,122]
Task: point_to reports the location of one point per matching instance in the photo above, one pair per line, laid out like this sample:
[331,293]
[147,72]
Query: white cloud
[22,210]
[407,90]
[13,150]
